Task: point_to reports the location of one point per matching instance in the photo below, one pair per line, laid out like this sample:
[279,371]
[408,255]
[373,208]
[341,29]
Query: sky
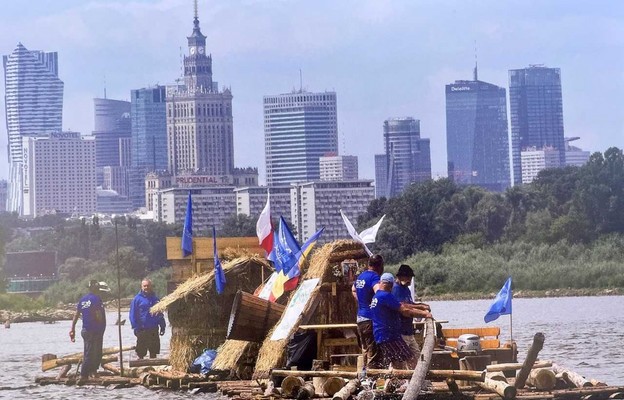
[383,58]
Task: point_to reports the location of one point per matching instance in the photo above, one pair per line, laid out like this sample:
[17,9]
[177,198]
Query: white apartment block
[339,168]
[317,204]
[58,174]
[211,206]
[533,161]
[252,199]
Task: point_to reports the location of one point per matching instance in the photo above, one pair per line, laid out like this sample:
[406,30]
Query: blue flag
[501,304]
[219,274]
[187,234]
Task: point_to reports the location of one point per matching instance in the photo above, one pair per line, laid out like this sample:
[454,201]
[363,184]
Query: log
[516,366]
[420,372]
[111,368]
[536,346]
[453,387]
[63,372]
[73,360]
[306,391]
[596,382]
[333,385]
[291,385]
[148,362]
[351,387]
[542,379]
[399,373]
[571,377]
[496,376]
[503,389]
[48,364]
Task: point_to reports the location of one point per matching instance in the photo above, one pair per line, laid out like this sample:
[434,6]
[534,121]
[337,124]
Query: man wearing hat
[387,312]
[401,290]
[91,308]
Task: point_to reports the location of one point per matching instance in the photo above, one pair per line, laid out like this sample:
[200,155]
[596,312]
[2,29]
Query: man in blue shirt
[145,324]
[364,288]
[387,312]
[91,308]
[401,290]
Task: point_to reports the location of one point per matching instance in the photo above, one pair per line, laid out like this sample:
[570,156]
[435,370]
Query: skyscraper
[199,116]
[149,138]
[299,128]
[477,138]
[407,157]
[536,112]
[338,168]
[33,106]
[112,135]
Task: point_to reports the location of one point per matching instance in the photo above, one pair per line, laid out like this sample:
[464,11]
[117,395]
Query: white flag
[367,236]
[264,228]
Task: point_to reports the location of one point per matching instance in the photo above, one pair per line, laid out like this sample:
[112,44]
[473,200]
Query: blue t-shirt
[403,295]
[93,315]
[364,289]
[386,317]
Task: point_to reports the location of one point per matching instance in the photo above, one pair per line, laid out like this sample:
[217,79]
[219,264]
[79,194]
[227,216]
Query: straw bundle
[319,309]
[236,359]
[199,316]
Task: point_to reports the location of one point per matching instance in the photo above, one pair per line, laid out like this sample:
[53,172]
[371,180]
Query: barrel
[252,317]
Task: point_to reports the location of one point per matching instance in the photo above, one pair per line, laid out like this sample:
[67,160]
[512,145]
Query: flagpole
[511,322]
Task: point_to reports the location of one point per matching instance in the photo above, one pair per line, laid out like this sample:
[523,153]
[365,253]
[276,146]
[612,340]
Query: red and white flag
[264,228]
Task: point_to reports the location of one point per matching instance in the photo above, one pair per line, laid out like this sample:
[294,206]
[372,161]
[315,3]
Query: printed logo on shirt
[85,304]
[360,283]
[373,303]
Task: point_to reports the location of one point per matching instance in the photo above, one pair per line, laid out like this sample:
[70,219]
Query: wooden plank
[480,331]
[203,247]
[485,343]
[328,326]
[148,362]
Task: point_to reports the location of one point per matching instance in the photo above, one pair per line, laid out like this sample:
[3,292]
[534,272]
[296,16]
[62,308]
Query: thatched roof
[198,286]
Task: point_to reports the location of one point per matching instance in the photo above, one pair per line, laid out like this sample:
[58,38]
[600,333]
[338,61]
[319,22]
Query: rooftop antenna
[104,85]
[182,59]
[195,9]
[300,81]
[475,74]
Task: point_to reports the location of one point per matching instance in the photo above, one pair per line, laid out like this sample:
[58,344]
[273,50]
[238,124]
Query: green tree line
[565,229]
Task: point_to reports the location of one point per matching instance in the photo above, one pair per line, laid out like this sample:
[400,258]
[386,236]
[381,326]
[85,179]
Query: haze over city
[383,58]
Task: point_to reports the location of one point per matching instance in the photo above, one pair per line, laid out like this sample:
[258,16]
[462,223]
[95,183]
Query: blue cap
[387,277]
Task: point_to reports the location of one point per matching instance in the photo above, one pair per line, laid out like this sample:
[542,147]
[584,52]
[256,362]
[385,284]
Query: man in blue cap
[386,313]
[145,324]
[91,309]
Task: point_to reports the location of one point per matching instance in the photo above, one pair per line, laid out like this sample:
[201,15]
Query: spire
[475,73]
[196,31]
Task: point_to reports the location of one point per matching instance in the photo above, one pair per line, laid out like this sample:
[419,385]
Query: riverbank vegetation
[565,230]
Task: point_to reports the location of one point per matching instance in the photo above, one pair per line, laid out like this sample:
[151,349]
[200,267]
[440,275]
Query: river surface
[585,334]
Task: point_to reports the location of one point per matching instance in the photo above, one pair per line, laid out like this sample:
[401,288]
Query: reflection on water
[582,333]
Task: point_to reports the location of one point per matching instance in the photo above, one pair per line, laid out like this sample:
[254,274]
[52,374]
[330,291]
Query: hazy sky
[383,58]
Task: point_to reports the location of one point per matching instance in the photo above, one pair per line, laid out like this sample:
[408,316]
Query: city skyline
[380,63]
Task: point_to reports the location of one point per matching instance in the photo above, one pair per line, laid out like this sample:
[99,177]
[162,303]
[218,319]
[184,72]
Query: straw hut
[199,316]
[331,302]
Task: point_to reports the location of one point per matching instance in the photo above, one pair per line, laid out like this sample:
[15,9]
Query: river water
[584,334]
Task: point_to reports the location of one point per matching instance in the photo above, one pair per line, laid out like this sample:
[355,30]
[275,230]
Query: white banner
[294,309]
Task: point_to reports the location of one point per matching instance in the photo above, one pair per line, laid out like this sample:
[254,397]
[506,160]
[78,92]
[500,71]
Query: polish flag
[264,228]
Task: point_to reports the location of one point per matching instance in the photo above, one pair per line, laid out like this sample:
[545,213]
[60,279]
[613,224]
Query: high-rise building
[199,116]
[251,200]
[299,128]
[3,194]
[58,174]
[338,168]
[477,137]
[33,106]
[407,157]
[536,112]
[315,205]
[149,138]
[575,156]
[533,160]
[112,135]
